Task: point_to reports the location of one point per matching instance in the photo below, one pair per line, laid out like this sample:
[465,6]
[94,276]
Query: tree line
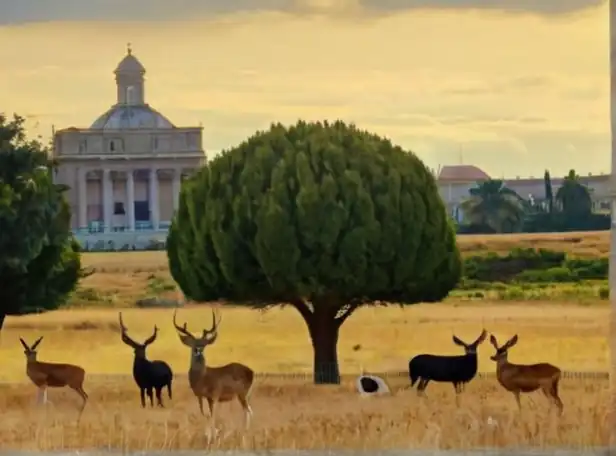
[492,207]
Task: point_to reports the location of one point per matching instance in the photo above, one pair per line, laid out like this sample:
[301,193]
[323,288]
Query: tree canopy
[39,259]
[321,216]
[574,197]
[493,205]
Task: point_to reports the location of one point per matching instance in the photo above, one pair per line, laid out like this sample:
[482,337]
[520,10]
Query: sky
[511,86]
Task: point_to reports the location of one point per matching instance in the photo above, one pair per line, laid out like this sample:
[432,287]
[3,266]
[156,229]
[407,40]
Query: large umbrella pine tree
[320,216]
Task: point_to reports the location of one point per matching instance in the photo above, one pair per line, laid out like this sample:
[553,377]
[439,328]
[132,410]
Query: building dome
[131,116]
[130,64]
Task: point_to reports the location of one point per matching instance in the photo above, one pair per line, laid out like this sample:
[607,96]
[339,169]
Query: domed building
[124,172]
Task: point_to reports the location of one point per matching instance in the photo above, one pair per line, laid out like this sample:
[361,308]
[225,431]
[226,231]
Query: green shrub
[492,267]
[558,274]
[604,292]
[594,268]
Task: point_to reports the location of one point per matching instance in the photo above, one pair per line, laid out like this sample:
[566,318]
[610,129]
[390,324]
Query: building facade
[455,182]
[124,172]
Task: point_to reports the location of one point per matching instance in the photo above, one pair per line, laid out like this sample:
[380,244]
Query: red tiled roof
[464,173]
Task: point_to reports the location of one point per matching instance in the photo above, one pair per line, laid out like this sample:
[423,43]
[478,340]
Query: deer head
[501,352]
[198,344]
[471,349]
[138,348]
[30,352]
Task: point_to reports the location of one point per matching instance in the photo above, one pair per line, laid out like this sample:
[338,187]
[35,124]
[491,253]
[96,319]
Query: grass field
[291,415]
[289,412]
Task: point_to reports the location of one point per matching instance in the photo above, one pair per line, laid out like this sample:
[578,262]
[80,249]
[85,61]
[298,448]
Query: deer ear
[481,337]
[24,344]
[458,341]
[512,341]
[37,342]
[493,341]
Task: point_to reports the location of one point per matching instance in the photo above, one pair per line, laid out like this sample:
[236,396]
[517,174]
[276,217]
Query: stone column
[153,200]
[107,199]
[177,184]
[612,268]
[130,199]
[83,198]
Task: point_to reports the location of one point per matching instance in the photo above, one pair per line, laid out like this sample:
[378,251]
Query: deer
[525,378]
[215,384]
[53,375]
[148,374]
[457,370]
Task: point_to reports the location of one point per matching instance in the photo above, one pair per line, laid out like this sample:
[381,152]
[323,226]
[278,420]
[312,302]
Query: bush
[558,274]
[595,268]
[492,267]
[561,222]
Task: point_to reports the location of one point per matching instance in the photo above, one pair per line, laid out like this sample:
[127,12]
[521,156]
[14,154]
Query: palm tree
[493,205]
[574,197]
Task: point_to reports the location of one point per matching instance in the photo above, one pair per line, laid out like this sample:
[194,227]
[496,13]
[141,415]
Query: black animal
[148,374]
[451,369]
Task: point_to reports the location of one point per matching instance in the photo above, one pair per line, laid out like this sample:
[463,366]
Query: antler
[127,340]
[212,333]
[208,335]
[152,338]
[181,329]
[481,337]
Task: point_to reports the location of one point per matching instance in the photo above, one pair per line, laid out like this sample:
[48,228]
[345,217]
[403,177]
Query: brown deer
[215,384]
[53,375]
[525,378]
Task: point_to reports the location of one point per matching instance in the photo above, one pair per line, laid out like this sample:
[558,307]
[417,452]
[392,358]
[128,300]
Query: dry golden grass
[291,413]
[379,339]
[288,415]
[580,244]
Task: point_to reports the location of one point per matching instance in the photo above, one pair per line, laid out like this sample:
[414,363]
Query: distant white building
[455,181]
[125,170]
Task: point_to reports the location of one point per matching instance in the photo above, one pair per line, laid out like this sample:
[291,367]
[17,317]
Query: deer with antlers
[525,378]
[457,370]
[148,374]
[215,384]
[53,375]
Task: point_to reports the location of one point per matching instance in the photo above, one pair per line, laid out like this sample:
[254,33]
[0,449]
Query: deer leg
[41,395]
[151,396]
[553,394]
[200,399]
[247,410]
[84,397]
[423,384]
[517,399]
[210,402]
[159,398]
[142,394]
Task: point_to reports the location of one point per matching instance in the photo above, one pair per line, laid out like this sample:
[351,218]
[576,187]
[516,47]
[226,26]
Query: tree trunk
[323,330]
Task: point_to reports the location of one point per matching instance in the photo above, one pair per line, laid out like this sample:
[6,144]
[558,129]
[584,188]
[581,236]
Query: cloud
[518,83]
[523,6]
[13,12]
